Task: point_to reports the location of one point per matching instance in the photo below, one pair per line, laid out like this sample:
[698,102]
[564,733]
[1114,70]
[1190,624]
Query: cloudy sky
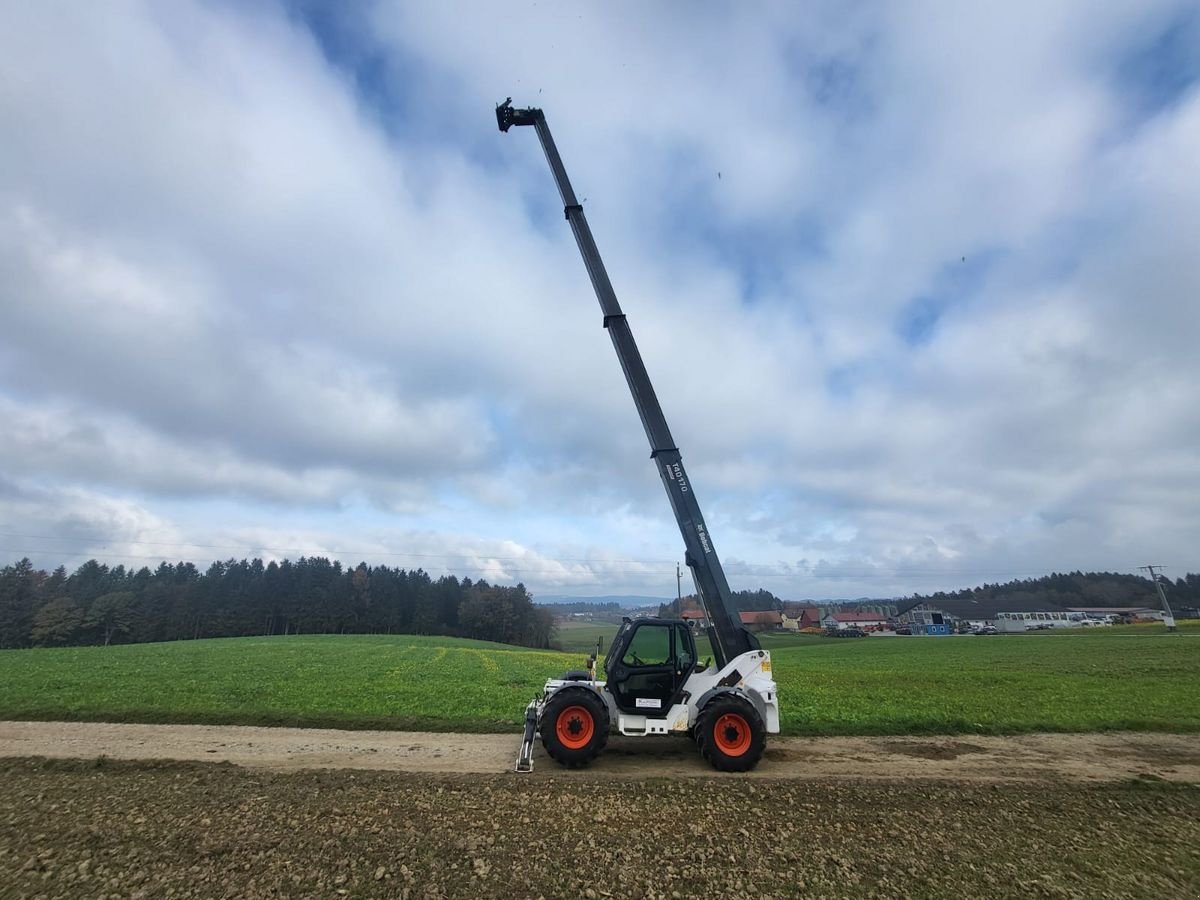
[916,283]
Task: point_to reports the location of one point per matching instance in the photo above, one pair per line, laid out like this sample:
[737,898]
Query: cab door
[648,673]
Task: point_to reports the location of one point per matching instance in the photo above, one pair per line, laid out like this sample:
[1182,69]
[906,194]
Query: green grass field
[1089,681]
[359,681]
[576,636]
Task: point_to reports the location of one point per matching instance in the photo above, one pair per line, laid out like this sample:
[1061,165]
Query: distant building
[947,615]
[796,616]
[762,620]
[695,616]
[864,620]
[1131,612]
[885,610]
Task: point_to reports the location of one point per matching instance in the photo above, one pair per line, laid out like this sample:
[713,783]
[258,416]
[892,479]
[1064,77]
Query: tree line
[97,604]
[744,601]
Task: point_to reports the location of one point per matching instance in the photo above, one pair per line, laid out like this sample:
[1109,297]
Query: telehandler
[655,684]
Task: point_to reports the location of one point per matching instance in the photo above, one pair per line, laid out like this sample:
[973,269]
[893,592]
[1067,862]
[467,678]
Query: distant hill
[1066,590]
[624,601]
[1063,589]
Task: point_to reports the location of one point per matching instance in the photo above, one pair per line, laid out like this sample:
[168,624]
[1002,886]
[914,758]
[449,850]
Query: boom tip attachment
[506,116]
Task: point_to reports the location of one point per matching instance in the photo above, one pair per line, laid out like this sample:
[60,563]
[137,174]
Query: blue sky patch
[1157,73]
[958,281]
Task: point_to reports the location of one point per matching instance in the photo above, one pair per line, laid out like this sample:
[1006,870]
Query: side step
[525,757]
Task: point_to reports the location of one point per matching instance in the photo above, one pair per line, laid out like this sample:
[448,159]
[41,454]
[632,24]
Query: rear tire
[575,726]
[730,734]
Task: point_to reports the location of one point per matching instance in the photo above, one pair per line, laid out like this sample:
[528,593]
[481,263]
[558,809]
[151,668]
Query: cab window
[650,646]
[683,658]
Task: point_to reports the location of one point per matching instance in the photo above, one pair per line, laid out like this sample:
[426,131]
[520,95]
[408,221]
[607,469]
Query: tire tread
[717,707]
[573,696]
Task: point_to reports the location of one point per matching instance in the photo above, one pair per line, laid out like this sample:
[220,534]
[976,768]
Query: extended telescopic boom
[730,638]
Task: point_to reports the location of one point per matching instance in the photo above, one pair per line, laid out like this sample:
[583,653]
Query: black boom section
[732,638]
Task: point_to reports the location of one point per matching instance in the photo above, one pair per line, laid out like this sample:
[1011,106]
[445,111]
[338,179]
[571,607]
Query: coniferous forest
[100,605]
[97,604]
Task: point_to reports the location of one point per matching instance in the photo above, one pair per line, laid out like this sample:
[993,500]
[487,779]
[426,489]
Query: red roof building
[855,620]
[761,620]
[856,617]
[797,616]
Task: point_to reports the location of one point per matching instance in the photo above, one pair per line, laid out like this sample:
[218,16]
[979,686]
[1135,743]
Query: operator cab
[648,663]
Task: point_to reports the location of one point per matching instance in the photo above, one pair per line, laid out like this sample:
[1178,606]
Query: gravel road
[1076,757]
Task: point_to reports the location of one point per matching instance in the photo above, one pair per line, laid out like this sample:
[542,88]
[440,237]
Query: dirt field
[361,814]
[149,830]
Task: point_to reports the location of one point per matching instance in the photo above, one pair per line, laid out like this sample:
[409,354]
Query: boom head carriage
[507,117]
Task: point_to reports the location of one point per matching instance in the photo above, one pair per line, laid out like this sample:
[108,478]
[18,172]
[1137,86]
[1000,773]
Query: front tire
[730,734]
[575,726]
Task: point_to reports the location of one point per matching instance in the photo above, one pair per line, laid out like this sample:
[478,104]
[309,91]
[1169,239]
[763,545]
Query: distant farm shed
[796,616]
[762,620]
[844,620]
[1132,612]
[946,615]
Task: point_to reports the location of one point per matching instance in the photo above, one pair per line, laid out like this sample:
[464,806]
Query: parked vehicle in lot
[903,629]
[845,632]
[985,629]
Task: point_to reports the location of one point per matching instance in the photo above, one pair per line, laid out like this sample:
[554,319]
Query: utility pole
[678,590]
[1168,616]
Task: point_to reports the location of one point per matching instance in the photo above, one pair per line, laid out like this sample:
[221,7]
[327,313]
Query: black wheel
[575,726]
[730,734]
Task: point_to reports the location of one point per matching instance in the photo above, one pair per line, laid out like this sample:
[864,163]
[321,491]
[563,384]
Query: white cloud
[240,279]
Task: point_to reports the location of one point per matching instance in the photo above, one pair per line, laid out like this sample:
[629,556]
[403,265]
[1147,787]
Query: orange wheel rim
[732,734]
[575,727]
